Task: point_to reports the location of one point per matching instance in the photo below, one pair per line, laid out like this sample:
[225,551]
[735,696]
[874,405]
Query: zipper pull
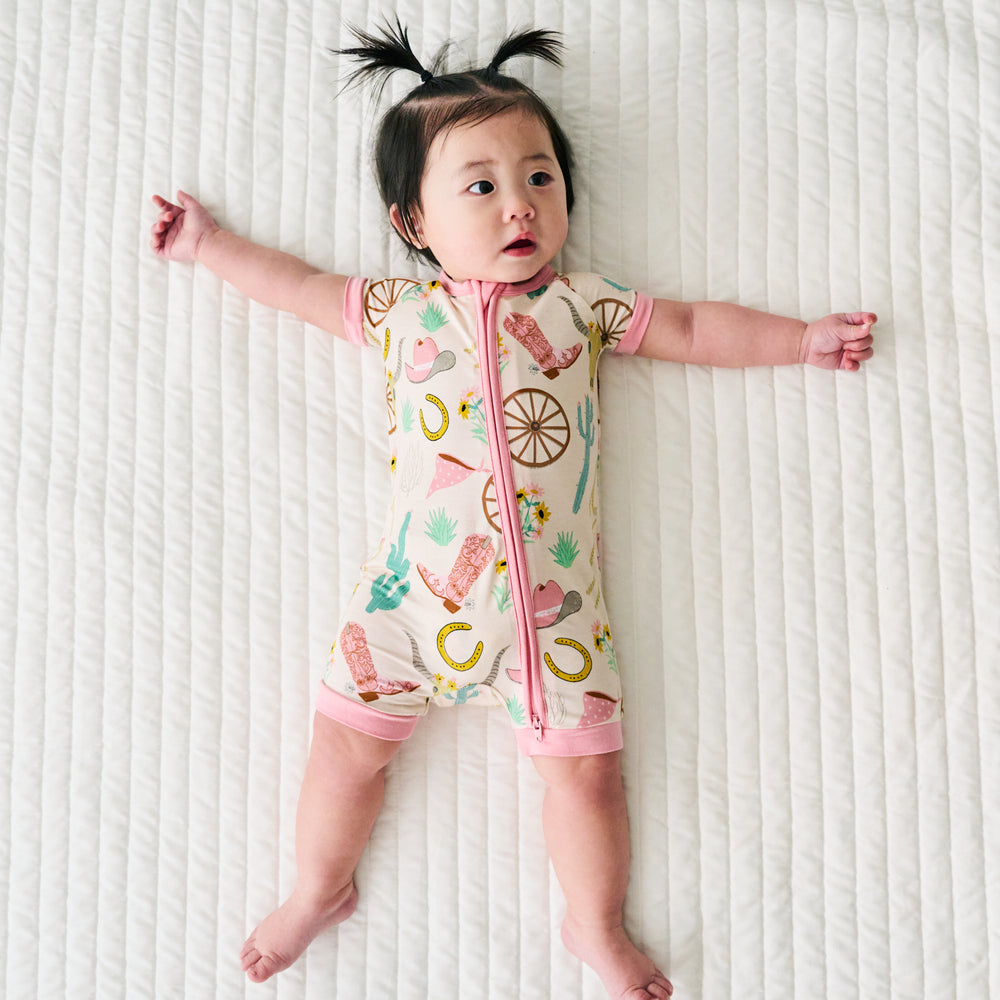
[536,724]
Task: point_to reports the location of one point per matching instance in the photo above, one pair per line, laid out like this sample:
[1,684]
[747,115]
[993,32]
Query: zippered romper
[487,580]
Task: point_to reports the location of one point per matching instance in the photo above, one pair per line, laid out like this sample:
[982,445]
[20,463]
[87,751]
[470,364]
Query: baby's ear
[414,239]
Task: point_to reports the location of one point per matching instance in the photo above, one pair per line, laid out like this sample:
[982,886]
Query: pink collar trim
[544,277]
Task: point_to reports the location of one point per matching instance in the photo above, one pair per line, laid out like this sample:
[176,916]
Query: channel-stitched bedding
[801,567]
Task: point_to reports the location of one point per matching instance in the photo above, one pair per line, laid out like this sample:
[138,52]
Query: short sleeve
[621,313]
[367,304]
[354,312]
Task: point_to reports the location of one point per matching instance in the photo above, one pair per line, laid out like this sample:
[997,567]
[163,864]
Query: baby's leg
[586,831]
[340,798]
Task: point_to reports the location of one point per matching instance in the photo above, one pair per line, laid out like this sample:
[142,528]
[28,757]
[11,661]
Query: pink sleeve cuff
[637,325]
[354,311]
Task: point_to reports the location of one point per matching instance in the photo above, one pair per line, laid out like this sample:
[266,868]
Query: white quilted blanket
[802,568]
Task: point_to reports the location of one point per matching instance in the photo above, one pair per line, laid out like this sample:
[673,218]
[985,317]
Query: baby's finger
[860,318]
[851,360]
[859,345]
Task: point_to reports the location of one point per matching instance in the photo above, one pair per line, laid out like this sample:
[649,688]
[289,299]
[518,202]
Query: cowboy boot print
[354,646]
[476,554]
[529,335]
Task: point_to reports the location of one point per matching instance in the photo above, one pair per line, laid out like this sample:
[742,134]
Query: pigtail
[382,54]
[538,43]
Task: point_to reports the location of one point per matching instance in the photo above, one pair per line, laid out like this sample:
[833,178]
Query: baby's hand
[840,341]
[179,230]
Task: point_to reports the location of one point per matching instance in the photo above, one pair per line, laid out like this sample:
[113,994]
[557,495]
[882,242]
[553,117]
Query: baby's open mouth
[524,243]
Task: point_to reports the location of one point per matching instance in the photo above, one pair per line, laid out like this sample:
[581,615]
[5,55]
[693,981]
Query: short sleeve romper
[486,584]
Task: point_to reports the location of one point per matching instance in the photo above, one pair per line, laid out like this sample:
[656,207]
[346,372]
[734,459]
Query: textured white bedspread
[802,568]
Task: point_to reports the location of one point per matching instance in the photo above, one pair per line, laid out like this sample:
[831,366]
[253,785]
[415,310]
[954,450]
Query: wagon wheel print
[381,296]
[490,506]
[612,317]
[537,429]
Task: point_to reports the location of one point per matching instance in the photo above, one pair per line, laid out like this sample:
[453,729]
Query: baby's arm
[186,231]
[728,336]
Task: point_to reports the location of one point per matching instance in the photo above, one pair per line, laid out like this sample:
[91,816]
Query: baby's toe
[661,987]
[257,973]
[250,956]
[265,967]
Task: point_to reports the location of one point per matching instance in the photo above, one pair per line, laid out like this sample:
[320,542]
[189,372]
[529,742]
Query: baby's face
[493,199]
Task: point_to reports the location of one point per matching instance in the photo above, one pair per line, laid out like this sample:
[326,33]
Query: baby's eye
[481,187]
[540,179]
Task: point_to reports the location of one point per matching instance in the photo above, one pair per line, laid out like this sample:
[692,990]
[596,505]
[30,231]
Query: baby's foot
[285,934]
[627,974]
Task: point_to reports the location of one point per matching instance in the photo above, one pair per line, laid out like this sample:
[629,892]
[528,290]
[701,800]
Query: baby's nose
[520,208]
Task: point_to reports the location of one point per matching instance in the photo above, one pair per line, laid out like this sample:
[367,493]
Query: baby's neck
[465,287]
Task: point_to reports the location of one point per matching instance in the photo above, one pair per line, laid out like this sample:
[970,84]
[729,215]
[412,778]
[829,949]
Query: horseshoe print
[439,433]
[588,663]
[454,664]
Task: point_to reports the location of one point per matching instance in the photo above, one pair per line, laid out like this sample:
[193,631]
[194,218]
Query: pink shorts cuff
[364,719]
[571,742]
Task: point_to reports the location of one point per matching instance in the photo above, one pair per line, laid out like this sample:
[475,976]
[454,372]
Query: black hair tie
[426,76]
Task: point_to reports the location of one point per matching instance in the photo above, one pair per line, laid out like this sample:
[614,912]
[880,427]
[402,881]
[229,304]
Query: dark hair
[439,103]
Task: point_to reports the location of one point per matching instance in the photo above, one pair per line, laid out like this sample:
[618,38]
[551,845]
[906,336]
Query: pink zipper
[487,297]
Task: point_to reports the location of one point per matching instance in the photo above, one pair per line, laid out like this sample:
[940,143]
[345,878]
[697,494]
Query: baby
[487,581]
